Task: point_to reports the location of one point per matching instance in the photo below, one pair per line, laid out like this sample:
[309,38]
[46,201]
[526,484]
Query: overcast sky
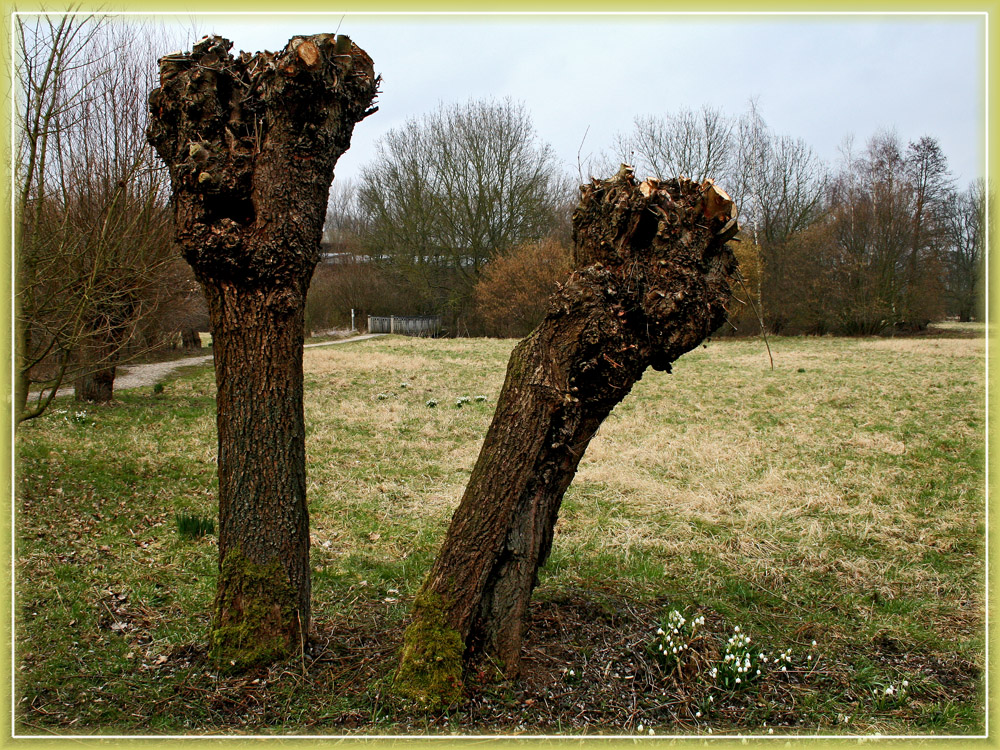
[820,78]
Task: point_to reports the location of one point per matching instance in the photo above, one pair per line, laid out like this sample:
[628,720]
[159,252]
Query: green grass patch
[839,498]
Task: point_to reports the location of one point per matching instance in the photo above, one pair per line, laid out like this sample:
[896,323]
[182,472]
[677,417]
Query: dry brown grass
[838,498]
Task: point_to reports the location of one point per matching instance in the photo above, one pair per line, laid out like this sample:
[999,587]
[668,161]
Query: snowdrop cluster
[431,403]
[741,664]
[462,401]
[570,675]
[889,696]
[784,660]
[674,637]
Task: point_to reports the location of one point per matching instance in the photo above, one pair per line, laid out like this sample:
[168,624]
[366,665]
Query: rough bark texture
[251,143]
[651,282]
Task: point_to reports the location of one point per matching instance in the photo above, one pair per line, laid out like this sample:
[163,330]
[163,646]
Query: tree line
[465,212]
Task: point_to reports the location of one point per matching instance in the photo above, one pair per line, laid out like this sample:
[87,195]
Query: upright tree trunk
[263,518]
[251,143]
[97,386]
[651,282]
[99,353]
[190,338]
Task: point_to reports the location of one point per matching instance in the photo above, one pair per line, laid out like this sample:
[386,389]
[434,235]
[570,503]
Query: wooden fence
[408,326]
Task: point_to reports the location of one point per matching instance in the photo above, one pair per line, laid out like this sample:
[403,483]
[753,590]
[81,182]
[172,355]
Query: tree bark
[97,386]
[651,282]
[99,353]
[251,143]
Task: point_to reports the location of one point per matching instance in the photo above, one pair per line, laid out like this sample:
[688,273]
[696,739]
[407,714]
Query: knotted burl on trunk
[251,143]
[651,281]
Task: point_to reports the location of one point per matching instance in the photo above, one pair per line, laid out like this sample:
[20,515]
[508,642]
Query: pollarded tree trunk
[650,283]
[251,143]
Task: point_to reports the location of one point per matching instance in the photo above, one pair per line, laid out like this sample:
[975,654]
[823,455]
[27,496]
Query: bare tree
[93,231]
[697,145]
[873,204]
[965,237]
[778,182]
[930,185]
[51,57]
[451,189]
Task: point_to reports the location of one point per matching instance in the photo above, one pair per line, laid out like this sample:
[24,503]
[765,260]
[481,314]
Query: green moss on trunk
[430,671]
[256,621]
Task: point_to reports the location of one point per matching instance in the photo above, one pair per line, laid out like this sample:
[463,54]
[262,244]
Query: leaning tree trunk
[650,283]
[251,144]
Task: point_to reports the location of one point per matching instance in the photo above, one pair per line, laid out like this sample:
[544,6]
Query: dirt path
[148,375]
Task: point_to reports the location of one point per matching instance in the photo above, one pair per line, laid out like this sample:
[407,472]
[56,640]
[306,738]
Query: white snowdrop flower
[659,631]
[572,673]
[710,730]
[890,690]
[711,699]
[660,647]
[651,732]
[784,668]
[809,658]
[673,650]
[640,727]
[758,671]
[906,683]
[737,629]
[770,731]
[814,644]
[738,680]
[697,714]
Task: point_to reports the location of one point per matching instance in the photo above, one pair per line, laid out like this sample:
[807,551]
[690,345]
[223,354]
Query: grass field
[838,499]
